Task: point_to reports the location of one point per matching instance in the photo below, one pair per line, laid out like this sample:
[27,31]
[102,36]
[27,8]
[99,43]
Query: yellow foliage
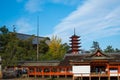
[56,48]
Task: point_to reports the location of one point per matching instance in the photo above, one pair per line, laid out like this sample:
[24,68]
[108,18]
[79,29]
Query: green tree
[66,47]
[4,38]
[43,46]
[109,49]
[117,50]
[10,49]
[4,30]
[95,46]
[13,49]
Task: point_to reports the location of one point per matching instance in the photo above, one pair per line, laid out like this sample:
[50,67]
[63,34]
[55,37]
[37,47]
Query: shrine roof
[39,63]
[89,57]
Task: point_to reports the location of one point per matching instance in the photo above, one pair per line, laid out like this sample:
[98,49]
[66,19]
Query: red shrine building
[82,66]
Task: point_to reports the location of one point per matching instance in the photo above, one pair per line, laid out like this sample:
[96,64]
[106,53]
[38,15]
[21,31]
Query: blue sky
[94,20]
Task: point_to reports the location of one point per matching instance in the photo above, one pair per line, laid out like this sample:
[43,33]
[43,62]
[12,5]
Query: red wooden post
[35,71]
[118,69]
[42,72]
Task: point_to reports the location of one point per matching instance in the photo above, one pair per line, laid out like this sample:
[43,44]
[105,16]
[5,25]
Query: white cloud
[93,20]
[68,2]
[24,26]
[37,5]
[34,5]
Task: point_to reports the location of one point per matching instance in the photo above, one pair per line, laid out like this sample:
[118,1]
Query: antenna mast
[37,37]
[74,31]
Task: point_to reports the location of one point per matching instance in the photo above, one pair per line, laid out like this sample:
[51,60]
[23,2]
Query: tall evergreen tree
[95,46]
[117,50]
[109,49]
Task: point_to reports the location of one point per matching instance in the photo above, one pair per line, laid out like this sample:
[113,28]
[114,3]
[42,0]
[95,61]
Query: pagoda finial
[74,31]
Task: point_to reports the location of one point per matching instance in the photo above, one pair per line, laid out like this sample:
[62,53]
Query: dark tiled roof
[39,63]
[116,56]
[26,36]
[72,57]
[86,58]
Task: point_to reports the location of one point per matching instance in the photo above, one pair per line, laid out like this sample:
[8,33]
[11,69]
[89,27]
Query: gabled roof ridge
[98,50]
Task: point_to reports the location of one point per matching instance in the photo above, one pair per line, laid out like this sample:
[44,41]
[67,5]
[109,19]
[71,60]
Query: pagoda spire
[74,31]
[75,43]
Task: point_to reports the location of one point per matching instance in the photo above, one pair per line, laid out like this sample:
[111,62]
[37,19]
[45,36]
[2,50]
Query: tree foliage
[4,30]
[43,46]
[95,46]
[110,49]
[56,49]
[13,49]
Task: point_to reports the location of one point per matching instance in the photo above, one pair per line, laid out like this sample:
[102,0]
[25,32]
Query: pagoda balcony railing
[75,37]
[75,47]
[74,43]
[74,40]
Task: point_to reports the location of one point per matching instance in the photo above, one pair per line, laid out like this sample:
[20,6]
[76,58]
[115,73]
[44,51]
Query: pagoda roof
[75,43]
[75,40]
[75,46]
[74,36]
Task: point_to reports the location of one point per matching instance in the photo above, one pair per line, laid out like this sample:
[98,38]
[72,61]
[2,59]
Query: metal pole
[37,37]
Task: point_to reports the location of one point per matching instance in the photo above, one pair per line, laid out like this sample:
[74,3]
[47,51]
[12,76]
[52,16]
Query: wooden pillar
[58,71]
[99,77]
[90,77]
[118,70]
[50,72]
[81,77]
[65,72]
[42,72]
[108,77]
[35,72]
[108,71]
[118,77]
[73,77]
[28,71]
